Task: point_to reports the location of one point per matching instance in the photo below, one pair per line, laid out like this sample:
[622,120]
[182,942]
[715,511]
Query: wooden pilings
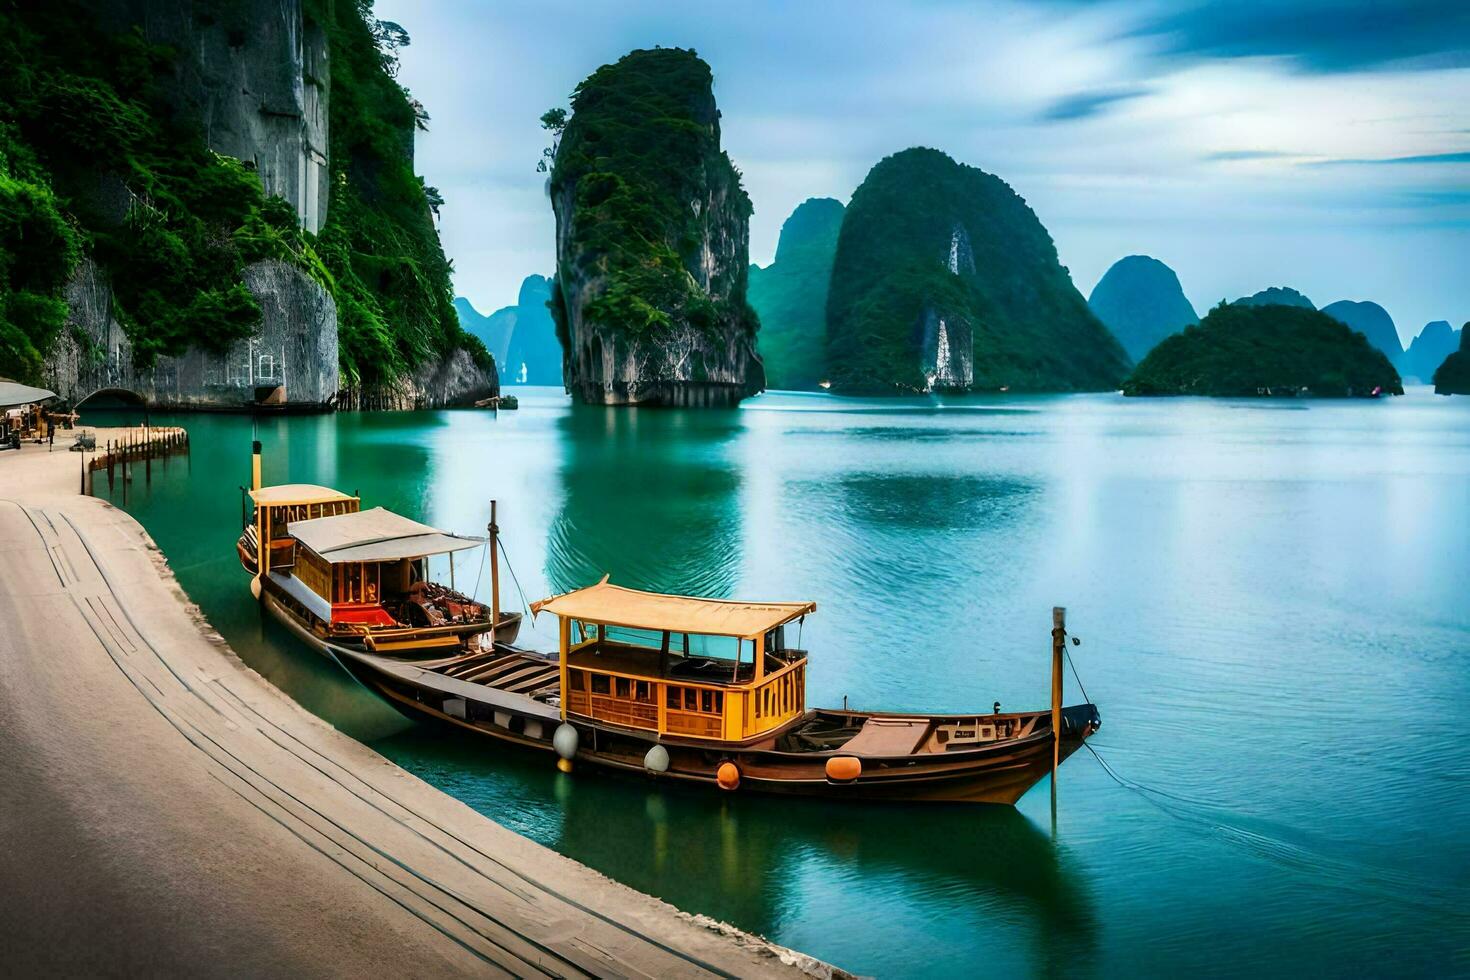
[133,445]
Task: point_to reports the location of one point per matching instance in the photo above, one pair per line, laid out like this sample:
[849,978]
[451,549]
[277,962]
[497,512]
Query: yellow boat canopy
[375,535]
[613,605]
[296,493]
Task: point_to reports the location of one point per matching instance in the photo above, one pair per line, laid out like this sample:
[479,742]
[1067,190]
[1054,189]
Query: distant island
[1242,349]
[1140,300]
[945,280]
[652,239]
[1437,341]
[1453,376]
[521,338]
[790,295]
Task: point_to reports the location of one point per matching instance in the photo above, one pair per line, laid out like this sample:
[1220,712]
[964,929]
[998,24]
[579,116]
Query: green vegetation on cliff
[1242,349]
[92,164]
[1453,376]
[641,143]
[939,262]
[790,296]
[395,307]
[95,162]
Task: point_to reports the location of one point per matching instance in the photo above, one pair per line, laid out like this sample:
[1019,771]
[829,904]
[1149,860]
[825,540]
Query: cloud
[1229,155]
[1431,158]
[1322,36]
[1082,105]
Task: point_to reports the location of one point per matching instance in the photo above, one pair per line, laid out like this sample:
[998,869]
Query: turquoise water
[1274,601]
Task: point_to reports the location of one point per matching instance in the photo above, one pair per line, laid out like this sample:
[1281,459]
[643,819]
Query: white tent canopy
[375,535]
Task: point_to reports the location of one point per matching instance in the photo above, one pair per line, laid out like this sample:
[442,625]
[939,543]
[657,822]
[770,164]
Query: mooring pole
[494,543]
[1058,648]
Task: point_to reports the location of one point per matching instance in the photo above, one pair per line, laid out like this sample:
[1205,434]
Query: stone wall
[290,360]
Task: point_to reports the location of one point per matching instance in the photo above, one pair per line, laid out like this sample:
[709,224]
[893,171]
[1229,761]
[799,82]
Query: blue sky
[1324,146]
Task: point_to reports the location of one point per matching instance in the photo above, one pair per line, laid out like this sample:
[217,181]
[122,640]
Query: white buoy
[657,759]
[564,740]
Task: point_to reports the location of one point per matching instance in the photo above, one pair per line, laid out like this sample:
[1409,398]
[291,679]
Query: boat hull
[998,773]
[505,631]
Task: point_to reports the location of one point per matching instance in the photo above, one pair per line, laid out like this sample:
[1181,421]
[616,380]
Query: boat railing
[671,706]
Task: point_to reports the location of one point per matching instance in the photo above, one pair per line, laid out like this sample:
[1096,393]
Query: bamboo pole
[1058,647]
[494,544]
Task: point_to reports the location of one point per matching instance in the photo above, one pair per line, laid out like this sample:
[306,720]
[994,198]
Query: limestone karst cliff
[652,240]
[1373,322]
[1437,341]
[226,172]
[1140,301]
[521,338]
[945,280]
[1453,376]
[790,296]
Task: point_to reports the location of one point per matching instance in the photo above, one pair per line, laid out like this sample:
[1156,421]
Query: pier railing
[121,455]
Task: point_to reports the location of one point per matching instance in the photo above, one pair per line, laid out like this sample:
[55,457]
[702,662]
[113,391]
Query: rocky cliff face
[451,381]
[790,295]
[652,236]
[945,279]
[1437,341]
[1140,300]
[290,359]
[254,76]
[1373,322]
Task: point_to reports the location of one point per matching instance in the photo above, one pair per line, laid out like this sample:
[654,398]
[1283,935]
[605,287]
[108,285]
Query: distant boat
[639,686]
[339,576]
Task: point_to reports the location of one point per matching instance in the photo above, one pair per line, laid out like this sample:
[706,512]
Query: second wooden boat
[358,579]
[708,692]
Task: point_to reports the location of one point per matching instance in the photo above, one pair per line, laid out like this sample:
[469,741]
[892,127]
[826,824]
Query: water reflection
[801,869]
[649,497]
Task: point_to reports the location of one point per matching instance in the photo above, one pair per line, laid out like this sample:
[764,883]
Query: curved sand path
[164,809]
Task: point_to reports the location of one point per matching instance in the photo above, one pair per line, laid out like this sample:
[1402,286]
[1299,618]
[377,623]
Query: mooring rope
[511,568]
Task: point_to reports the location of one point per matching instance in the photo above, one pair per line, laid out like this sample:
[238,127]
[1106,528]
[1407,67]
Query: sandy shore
[164,809]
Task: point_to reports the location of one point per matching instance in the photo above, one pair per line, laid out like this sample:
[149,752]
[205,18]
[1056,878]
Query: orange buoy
[728,775]
[844,768]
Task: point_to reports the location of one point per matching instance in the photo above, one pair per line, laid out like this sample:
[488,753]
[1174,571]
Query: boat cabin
[679,666]
[351,568]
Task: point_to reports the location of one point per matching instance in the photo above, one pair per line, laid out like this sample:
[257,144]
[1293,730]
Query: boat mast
[494,530]
[1058,647]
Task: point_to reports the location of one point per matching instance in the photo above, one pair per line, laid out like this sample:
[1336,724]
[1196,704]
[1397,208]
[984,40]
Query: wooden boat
[708,691]
[358,579]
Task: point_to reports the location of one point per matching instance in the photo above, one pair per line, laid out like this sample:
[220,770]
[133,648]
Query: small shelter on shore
[21,414]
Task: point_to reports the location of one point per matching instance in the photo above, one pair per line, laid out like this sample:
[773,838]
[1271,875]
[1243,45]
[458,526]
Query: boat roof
[375,535]
[12,393]
[297,493]
[613,605]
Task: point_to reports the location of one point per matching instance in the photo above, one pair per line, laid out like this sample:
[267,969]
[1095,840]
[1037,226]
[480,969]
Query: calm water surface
[1274,601]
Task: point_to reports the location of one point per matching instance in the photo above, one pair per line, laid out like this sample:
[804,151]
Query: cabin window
[643,692]
[601,684]
[691,699]
[706,701]
[623,688]
[673,698]
[719,702]
[578,680]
